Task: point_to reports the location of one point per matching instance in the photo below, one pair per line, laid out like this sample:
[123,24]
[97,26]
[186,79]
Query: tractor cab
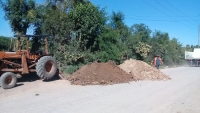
[34,43]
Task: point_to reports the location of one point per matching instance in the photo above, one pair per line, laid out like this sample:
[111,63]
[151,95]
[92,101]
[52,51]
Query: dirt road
[179,95]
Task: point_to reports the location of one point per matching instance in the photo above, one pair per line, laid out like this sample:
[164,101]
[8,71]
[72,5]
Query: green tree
[75,30]
[141,31]
[160,43]
[55,21]
[175,53]
[4,43]
[143,49]
[188,48]
[117,23]
[109,46]
[139,35]
[20,14]
[88,21]
[171,51]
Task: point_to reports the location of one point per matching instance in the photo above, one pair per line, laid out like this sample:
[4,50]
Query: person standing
[157,61]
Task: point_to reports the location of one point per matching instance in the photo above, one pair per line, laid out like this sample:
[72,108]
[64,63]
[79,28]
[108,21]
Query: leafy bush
[73,68]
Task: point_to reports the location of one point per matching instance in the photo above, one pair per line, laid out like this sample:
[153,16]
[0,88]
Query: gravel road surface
[181,94]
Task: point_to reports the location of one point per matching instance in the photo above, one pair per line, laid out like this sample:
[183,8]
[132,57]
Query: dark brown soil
[109,73]
[100,74]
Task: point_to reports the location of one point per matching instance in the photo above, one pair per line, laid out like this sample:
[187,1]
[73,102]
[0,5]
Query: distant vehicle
[193,58]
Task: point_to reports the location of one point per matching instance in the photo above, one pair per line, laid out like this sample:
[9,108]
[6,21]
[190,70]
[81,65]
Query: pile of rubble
[100,74]
[142,71]
[109,73]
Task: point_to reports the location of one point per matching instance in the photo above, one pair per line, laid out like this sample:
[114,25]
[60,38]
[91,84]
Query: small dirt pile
[142,71]
[100,74]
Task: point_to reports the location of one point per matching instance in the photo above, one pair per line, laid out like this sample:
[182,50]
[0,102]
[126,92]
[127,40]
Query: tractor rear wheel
[46,67]
[8,80]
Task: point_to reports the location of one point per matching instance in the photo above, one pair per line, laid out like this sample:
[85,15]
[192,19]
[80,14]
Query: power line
[153,20]
[168,9]
[149,16]
[158,19]
[180,11]
[163,16]
[166,14]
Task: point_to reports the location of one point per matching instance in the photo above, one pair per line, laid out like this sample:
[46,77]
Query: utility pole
[199,37]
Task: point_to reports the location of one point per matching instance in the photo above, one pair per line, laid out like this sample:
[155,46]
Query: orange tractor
[21,62]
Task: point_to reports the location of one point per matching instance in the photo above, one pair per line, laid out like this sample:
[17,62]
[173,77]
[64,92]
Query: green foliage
[143,49]
[88,20]
[160,42]
[7,43]
[82,33]
[20,14]
[73,68]
[73,55]
[171,51]
[118,25]
[4,43]
[139,35]
[52,19]
[74,29]
[110,48]
[141,31]
[190,47]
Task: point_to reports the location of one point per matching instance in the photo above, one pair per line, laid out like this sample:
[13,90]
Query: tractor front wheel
[46,67]
[8,80]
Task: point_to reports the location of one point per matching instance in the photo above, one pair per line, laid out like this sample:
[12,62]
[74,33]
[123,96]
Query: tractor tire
[8,80]
[46,67]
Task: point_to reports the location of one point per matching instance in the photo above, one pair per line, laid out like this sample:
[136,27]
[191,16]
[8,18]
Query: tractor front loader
[21,62]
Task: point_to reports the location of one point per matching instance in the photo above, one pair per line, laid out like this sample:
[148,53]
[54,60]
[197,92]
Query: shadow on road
[20,84]
[31,77]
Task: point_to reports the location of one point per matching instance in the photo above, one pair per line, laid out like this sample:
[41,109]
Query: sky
[179,18]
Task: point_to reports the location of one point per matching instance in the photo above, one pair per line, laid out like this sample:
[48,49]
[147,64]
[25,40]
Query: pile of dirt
[100,74]
[142,71]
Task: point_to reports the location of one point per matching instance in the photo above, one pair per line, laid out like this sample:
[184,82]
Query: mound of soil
[100,74]
[142,71]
